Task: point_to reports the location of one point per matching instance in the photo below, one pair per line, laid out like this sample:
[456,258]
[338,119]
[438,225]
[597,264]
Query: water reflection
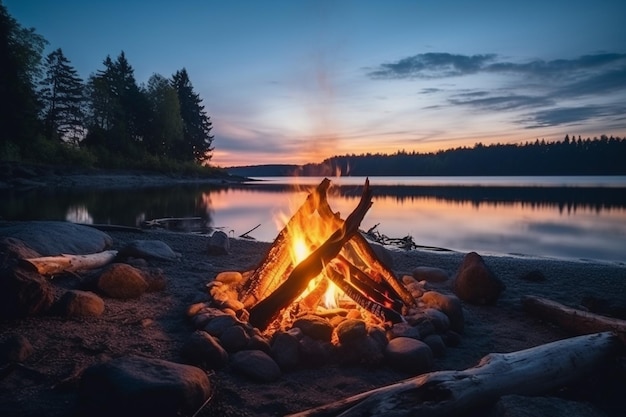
[564,221]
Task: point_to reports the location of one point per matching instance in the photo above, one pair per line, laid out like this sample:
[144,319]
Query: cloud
[569,115]
[432,65]
[507,102]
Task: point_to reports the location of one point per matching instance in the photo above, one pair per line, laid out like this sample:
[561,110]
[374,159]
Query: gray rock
[15,348]
[409,355]
[75,303]
[285,351]
[148,249]
[365,350]
[234,339]
[402,330]
[315,352]
[134,386]
[430,274]
[219,244]
[351,329]
[436,345]
[439,319]
[256,365]
[217,325]
[23,293]
[315,327]
[450,305]
[122,281]
[50,238]
[203,350]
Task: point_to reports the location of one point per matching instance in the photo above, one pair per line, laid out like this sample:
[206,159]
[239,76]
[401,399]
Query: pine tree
[20,59]
[197,138]
[62,98]
[166,125]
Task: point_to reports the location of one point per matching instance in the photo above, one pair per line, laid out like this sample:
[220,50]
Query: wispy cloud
[432,65]
[569,115]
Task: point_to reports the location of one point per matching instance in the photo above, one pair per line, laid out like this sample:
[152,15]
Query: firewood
[268,308]
[532,371]
[50,265]
[573,320]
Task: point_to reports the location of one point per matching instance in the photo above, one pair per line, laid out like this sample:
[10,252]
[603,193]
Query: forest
[49,114]
[597,156]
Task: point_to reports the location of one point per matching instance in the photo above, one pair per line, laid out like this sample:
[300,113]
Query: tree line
[570,156]
[49,114]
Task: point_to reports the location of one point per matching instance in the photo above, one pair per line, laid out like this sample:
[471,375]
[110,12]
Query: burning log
[262,313]
[527,372]
[50,265]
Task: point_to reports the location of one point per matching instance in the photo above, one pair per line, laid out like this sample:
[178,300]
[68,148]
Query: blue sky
[298,81]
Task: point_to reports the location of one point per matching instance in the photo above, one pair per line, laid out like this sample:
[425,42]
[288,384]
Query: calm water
[565,217]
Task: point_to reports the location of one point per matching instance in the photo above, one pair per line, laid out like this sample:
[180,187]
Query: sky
[298,81]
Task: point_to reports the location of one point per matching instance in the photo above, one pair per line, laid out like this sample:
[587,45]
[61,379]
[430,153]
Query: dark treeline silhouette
[48,114]
[597,156]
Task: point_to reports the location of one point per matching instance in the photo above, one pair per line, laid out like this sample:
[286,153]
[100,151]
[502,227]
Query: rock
[285,351]
[315,352]
[148,249]
[430,274]
[122,281]
[134,386]
[234,339]
[15,348]
[350,330]
[315,327]
[219,244]
[449,305]
[203,350]
[521,406]
[15,248]
[439,319]
[436,345]
[256,365]
[229,277]
[475,283]
[23,293]
[409,355]
[403,330]
[217,325]
[51,238]
[258,342]
[365,350]
[451,338]
[75,303]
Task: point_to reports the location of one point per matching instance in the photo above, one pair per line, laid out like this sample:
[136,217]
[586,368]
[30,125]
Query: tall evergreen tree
[62,98]
[197,142]
[20,58]
[166,125]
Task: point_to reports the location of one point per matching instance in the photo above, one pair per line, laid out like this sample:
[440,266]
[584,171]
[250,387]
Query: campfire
[317,261]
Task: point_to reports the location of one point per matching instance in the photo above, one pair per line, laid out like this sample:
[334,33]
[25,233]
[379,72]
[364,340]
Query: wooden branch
[50,265]
[527,372]
[268,308]
[573,320]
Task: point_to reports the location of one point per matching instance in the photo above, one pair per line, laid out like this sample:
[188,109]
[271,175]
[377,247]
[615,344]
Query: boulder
[23,293]
[219,244]
[204,350]
[285,350]
[315,327]
[450,305]
[430,274]
[350,330]
[409,355]
[136,386]
[122,281]
[475,283]
[256,364]
[51,238]
[148,249]
[76,303]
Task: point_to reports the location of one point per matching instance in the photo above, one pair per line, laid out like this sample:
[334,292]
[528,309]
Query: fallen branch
[50,265]
[573,320]
[527,372]
[246,234]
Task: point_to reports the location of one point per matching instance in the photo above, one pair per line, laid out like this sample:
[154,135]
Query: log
[445,393]
[51,265]
[574,321]
[262,314]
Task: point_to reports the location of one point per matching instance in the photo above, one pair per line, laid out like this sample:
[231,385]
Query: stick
[527,372]
[245,235]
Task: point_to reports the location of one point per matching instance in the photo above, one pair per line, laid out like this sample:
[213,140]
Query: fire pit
[323,284]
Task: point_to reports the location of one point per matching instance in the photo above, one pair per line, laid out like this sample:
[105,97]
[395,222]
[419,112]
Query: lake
[562,217]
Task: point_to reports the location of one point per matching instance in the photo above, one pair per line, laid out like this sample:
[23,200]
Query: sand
[155,326]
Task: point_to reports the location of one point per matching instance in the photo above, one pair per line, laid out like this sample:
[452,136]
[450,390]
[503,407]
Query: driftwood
[50,265]
[573,320]
[527,372]
[268,308]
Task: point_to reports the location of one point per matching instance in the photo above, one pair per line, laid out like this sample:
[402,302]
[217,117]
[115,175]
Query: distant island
[597,156]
